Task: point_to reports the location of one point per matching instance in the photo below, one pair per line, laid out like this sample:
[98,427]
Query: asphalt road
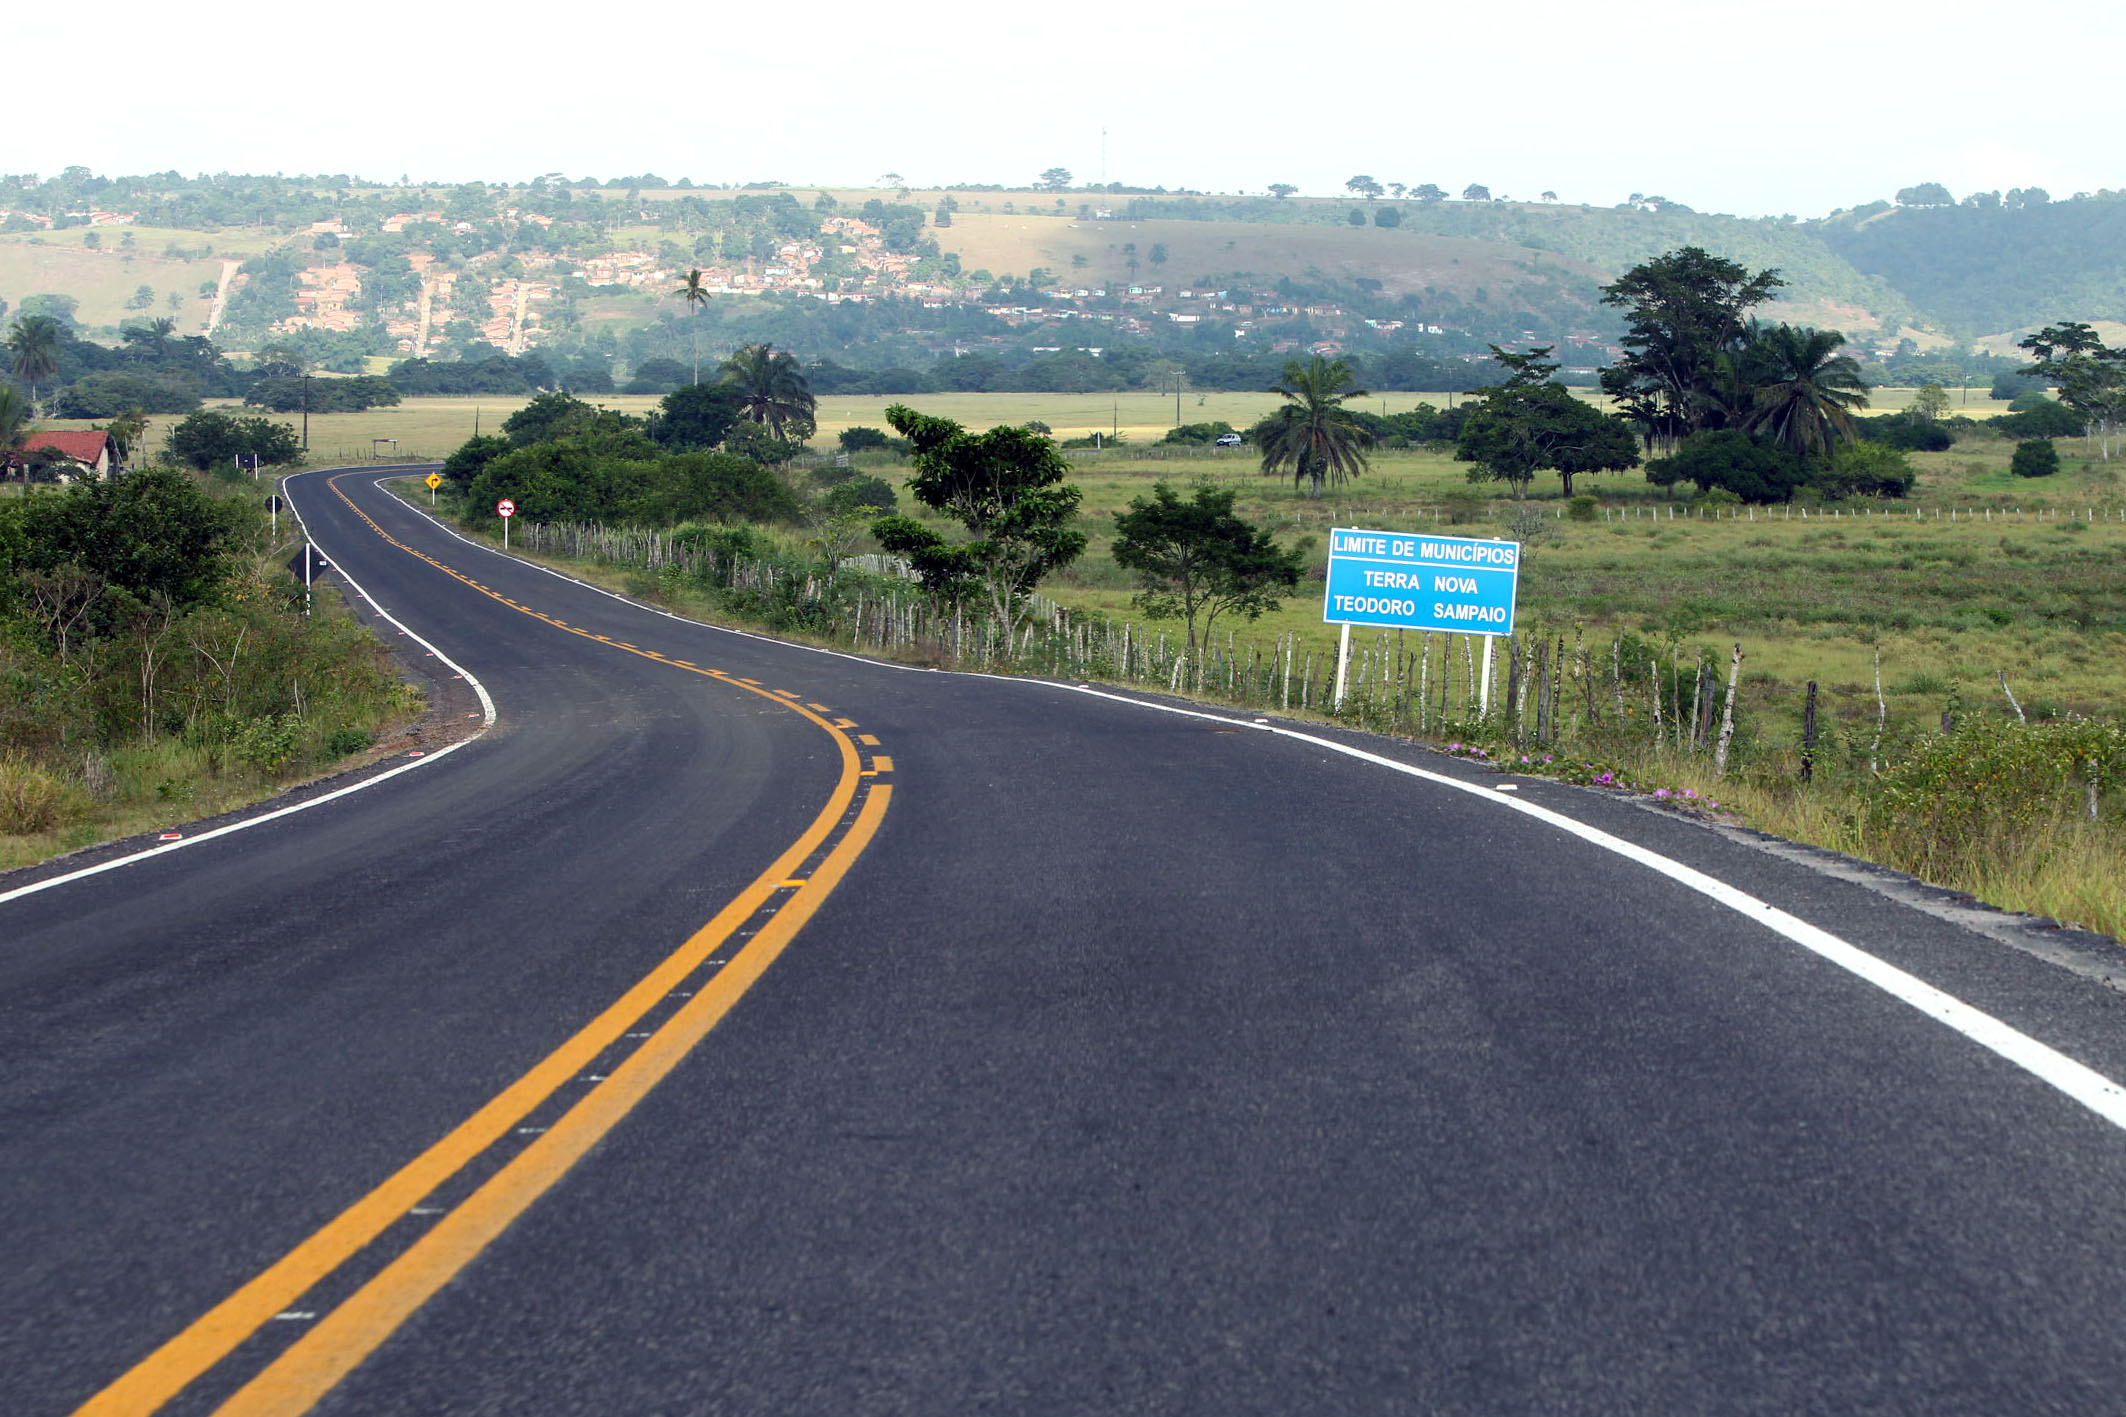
[1049,1053]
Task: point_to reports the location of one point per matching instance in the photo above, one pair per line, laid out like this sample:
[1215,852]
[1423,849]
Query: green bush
[1983,789]
[1197,434]
[1865,470]
[268,744]
[1582,508]
[2035,457]
[346,742]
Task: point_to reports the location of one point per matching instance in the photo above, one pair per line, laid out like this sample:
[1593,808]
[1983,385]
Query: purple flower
[1660,792]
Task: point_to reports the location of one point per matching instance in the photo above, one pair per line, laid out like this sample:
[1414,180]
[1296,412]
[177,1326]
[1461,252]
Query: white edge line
[487,706]
[2076,1080]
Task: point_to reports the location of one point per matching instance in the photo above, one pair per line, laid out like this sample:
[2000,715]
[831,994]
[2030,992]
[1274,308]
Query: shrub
[2035,457]
[862,493]
[1753,470]
[1908,432]
[1865,470]
[862,440]
[1982,790]
[269,743]
[1197,434]
[346,742]
[1582,508]
[2044,418]
[32,800]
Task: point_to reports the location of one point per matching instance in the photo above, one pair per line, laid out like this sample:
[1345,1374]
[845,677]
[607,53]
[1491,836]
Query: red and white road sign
[505,508]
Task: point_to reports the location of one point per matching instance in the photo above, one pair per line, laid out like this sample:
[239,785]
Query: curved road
[741,1028]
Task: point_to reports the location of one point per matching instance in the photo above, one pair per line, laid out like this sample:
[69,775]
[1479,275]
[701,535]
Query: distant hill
[1441,279]
[587,272]
[1975,270]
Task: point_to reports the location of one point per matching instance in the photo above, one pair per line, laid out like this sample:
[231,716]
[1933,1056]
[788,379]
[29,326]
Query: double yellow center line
[774,906]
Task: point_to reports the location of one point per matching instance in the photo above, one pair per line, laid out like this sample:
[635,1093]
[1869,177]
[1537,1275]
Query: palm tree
[1805,391]
[14,424]
[1313,434]
[771,388]
[33,346]
[696,295]
[150,337]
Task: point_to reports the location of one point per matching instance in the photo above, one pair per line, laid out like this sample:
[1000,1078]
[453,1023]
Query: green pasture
[1948,596]
[2037,592]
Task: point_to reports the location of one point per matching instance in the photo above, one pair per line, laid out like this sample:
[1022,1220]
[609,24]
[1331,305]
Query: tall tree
[772,390]
[1006,488]
[1531,422]
[1282,190]
[696,295]
[1313,436]
[1804,390]
[1685,322]
[150,339]
[1196,558]
[33,346]
[2090,377]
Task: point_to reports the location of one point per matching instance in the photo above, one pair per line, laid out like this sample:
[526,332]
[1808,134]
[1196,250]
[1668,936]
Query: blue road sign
[1409,581]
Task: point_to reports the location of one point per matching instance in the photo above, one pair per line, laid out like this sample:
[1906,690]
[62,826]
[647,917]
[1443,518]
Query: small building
[87,453]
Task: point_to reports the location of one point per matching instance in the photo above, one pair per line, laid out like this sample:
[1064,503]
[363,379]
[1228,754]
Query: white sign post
[505,509]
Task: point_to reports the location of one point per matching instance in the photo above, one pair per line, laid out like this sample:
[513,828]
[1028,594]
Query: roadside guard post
[1408,581]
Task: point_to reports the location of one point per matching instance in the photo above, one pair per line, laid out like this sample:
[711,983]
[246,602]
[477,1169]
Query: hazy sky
[1753,109]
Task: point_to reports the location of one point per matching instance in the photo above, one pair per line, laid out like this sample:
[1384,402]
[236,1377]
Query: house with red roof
[88,453]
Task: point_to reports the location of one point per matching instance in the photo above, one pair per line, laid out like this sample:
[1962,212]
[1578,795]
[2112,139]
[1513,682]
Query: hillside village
[588,273]
[518,279]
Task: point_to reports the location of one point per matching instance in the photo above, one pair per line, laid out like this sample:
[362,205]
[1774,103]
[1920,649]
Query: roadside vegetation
[1921,666]
[157,664]
[1896,573]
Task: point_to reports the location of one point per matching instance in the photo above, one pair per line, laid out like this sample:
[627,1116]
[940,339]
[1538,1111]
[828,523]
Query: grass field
[1400,260]
[1943,600]
[432,427]
[58,263]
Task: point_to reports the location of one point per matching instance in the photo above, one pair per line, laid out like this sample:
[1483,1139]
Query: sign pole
[306,575]
[1483,693]
[505,533]
[1343,664]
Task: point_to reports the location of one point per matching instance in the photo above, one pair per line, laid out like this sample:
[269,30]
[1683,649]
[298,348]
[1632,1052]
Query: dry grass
[1400,260]
[58,263]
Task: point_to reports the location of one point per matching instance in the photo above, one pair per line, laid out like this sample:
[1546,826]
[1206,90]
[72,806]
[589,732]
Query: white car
[1230,440]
